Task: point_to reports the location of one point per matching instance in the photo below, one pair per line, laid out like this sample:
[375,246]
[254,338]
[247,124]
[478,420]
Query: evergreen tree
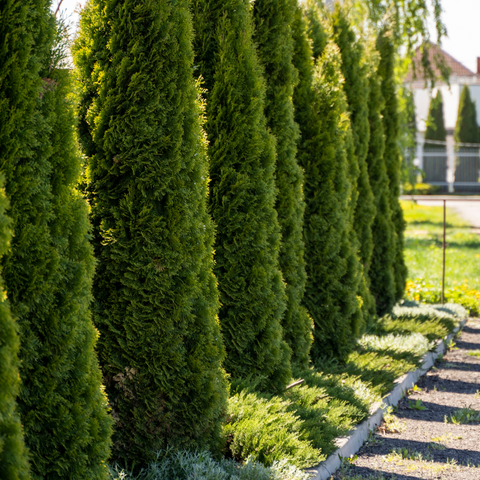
[18,90]
[273,37]
[13,455]
[332,280]
[435,122]
[242,194]
[386,48]
[381,272]
[48,273]
[466,128]
[156,299]
[356,89]
[435,166]
[466,131]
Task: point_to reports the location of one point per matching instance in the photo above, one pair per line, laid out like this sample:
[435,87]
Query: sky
[461,17]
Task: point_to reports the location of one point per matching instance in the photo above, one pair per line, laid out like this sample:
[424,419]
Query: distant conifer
[435,121]
[466,128]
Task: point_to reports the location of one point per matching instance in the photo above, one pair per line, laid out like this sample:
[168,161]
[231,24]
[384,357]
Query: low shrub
[267,430]
[301,424]
[185,465]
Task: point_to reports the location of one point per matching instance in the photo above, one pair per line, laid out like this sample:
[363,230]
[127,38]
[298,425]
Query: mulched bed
[429,448]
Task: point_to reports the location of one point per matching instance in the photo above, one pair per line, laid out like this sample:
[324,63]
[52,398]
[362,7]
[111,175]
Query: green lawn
[423,248]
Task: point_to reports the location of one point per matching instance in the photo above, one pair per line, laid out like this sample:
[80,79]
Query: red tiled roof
[456,68]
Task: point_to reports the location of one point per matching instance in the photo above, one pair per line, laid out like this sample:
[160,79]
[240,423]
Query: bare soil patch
[429,445]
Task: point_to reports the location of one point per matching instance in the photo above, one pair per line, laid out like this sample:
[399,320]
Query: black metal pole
[444,247]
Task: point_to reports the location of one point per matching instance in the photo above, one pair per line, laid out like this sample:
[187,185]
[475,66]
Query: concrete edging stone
[349,446]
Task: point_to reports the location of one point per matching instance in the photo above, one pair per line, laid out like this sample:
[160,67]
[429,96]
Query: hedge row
[241,176]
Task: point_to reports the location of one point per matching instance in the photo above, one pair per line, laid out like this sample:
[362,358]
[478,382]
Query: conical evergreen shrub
[156,299]
[273,36]
[332,279]
[242,194]
[381,272]
[13,455]
[466,131]
[354,70]
[48,274]
[386,48]
[435,122]
[466,128]
[18,90]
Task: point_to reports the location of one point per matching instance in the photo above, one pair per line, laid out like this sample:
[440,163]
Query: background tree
[381,272]
[466,131]
[392,158]
[435,166]
[435,120]
[156,299]
[466,128]
[320,108]
[273,36]
[354,70]
[48,272]
[242,194]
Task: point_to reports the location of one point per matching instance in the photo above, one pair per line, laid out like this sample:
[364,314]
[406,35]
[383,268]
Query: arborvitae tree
[466,131]
[466,128]
[386,48]
[156,299]
[48,273]
[13,455]
[18,91]
[273,36]
[242,194]
[381,272]
[354,70]
[435,122]
[332,280]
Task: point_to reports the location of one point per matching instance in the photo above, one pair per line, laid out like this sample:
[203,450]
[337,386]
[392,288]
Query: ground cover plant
[301,424]
[423,254]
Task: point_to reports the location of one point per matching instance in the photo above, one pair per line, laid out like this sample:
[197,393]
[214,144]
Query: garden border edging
[349,446]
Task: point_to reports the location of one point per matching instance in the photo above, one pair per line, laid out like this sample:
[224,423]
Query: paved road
[468,210]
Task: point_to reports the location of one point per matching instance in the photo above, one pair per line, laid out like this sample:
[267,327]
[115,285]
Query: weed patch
[463,416]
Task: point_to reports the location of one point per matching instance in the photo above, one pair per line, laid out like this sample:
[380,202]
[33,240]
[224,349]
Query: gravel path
[427,447]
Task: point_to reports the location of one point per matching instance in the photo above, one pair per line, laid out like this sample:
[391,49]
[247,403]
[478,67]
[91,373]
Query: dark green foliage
[156,299]
[381,273]
[466,129]
[242,194]
[18,90]
[354,70]
[435,122]
[390,113]
[273,37]
[332,279]
[48,270]
[13,455]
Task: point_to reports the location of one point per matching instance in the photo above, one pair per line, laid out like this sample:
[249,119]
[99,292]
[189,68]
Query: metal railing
[432,198]
[455,166]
